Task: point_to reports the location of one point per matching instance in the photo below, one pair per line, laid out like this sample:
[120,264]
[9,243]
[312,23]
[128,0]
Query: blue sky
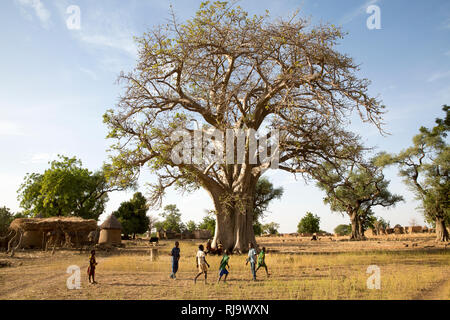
[56,83]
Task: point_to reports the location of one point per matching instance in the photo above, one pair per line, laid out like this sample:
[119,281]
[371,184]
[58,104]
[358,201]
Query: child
[252,259]
[175,253]
[91,268]
[201,263]
[223,266]
[262,261]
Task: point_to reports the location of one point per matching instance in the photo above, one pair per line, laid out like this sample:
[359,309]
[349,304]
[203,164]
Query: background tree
[270,228]
[309,224]
[191,226]
[264,194]
[65,189]
[354,189]
[425,167]
[152,220]
[228,70]
[6,217]
[132,215]
[172,219]
[343,230]
[208,222]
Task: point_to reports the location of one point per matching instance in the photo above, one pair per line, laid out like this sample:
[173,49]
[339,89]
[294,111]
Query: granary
[413,229]
[110,231]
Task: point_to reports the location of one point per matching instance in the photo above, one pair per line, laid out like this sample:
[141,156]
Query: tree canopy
[425,167]
[354,189]
[226,70]
[208,222]
[310,223]
[172,219]
[343,230]
[264,194]
[270,228]
[132,215]
[6,217]
[65,189]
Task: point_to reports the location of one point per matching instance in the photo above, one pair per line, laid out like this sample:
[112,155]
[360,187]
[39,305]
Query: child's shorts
[223,272]
[202,267]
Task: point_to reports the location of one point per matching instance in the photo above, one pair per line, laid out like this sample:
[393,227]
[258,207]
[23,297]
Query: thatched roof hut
[31,232]
[111,231]
[66,224]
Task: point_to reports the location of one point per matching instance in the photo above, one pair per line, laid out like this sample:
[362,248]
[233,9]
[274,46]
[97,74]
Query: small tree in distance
[6,217]
[132,215]
[191,226]
[343,230]
[172,219]
[309,224]
[208,222]
[270,228]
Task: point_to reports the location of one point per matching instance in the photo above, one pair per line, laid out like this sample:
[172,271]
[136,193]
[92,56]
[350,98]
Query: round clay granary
[111,231]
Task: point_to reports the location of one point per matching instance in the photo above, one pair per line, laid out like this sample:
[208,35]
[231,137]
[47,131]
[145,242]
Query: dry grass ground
[303,269]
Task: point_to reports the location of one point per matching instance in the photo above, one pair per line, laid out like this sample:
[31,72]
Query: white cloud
[40,158]
[10,129]
[89,72]
[122,41]
[357,12]
[39,8]
[439,75]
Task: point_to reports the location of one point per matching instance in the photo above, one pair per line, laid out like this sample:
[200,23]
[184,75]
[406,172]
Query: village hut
[187,235]
[170,234]
[202,234]
[413,229]
[110,231]
[398,229]
[161,234]
[34,232]
[32,239]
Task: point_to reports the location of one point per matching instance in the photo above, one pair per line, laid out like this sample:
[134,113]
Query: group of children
[256,262]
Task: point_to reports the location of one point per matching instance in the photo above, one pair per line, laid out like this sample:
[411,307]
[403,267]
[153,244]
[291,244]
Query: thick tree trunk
[356,227]
[441,230]
[234,224]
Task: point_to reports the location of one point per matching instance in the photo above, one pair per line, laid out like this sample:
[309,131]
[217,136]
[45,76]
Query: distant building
[110,231]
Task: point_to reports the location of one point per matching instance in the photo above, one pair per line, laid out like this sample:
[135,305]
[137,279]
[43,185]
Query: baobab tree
[225,70]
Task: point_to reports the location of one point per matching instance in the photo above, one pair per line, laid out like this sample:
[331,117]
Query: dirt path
[439,291]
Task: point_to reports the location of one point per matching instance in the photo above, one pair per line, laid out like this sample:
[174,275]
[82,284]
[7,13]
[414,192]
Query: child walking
[223,266]
[91,268]
[262,261]
[252,259]
[201,263]
[175,253]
